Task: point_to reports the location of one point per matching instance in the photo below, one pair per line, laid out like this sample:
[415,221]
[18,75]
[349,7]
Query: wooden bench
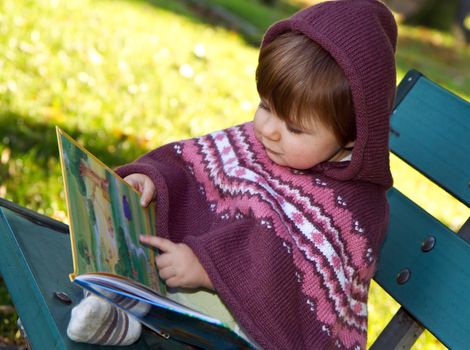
[423,264]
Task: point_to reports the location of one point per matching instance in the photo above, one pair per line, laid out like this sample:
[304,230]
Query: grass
[8,329]
[255,13]
[126,76]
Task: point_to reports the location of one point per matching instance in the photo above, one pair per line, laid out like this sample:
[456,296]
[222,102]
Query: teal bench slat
[35,261]
[431,132]
[20,281]
[437,291]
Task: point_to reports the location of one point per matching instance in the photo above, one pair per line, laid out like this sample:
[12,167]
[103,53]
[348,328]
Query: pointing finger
[163,244]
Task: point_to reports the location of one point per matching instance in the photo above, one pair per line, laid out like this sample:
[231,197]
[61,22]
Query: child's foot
[96,321]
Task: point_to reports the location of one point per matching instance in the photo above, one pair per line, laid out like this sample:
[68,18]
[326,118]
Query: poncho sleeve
[249,267]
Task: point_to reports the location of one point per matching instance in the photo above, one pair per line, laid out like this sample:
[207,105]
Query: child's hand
[177,264]
[144,185]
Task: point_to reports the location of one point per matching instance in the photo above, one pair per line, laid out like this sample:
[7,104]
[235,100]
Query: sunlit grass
[126,76]
[141,77]
[437,55]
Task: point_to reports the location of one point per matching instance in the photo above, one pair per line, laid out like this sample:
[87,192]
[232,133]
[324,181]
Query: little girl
[283,217]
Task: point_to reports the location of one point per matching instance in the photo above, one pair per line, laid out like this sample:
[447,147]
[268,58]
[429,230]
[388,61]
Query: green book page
[106,218]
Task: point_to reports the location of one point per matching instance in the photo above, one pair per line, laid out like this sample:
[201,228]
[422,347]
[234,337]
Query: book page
[106,218]
[166,317]
[126,287]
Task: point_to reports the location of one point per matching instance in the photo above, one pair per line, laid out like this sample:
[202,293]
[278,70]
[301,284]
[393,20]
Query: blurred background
[125,76]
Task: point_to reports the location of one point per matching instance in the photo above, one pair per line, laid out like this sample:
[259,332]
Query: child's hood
[361,36]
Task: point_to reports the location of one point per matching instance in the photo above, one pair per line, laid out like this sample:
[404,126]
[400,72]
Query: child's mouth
[271,151]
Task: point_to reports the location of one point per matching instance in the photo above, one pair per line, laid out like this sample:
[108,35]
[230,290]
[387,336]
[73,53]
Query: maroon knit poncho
[291,253]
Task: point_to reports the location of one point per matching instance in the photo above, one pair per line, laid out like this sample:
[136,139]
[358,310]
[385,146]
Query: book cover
[106,219]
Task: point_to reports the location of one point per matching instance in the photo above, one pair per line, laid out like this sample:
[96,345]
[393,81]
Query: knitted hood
[361,36]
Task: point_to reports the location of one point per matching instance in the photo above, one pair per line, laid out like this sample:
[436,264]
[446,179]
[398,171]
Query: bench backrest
[424,265]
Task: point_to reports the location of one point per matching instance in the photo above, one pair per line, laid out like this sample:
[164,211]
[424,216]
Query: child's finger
[145,198]
[131,180]
[163,260]
[134,184]
[173,282]
[148,193]
[166,273]
[163,244]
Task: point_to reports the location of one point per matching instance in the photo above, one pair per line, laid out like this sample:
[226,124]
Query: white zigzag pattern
[327,250]
[307,228]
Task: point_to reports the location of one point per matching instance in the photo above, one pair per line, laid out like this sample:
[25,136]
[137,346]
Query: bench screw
[403,276]
[63,297]
[428,244]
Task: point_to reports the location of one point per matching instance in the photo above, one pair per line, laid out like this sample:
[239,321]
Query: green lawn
[126,76]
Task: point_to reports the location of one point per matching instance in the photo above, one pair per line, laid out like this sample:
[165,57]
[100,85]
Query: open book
[106,219]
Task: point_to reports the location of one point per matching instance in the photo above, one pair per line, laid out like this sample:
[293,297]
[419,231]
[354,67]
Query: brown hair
[297,78]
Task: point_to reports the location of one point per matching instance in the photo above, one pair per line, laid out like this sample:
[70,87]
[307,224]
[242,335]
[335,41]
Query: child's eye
[263,105]
[294,130]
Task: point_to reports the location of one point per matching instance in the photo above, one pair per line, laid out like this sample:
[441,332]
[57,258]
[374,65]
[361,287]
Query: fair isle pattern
[327,250]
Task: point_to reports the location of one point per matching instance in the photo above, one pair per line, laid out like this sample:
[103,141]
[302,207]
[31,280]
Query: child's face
[289,145]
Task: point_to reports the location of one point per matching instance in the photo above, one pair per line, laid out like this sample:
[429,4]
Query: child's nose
[271,129]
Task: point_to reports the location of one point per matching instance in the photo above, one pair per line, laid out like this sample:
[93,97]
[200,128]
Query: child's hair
[297,78]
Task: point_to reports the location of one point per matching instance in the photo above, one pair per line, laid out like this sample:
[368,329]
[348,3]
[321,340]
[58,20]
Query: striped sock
[96,321]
